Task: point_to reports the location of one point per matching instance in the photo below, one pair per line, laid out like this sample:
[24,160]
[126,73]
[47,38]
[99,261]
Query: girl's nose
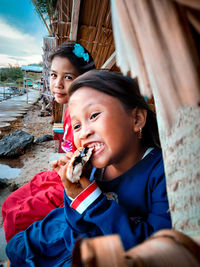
[86,132]
[59,82]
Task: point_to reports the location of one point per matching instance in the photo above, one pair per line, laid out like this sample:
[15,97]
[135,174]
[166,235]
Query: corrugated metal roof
[31,68]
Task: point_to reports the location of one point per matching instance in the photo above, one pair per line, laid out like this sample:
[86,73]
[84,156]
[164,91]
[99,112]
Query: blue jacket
[133,205]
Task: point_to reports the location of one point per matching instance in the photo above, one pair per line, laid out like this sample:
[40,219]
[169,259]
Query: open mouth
[97,148]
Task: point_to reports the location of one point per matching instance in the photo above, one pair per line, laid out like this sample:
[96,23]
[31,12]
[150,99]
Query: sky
[21,33]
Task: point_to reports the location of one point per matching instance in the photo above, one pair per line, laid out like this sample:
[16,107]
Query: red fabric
[65,140]
[36,199]
[59,137]
[32,202]
[68,138]
[83,195]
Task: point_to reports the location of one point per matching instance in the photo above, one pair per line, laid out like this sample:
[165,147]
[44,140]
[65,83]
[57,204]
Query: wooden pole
[26,87]
[74,20]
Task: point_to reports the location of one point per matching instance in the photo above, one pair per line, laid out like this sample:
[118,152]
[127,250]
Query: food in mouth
[79,159]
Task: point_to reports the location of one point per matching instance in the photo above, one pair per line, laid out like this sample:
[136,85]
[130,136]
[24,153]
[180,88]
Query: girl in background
[44,192]
[126,191]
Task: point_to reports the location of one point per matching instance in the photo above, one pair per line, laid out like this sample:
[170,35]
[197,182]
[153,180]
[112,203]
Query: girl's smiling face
[62,74]
[101,121]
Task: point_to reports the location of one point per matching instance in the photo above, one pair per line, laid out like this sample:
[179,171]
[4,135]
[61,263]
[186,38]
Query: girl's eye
[53,75]
[76,127]
[94,115]
[68,77]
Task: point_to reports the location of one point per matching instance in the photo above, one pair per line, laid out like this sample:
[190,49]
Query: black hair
[127,91]
[65,50]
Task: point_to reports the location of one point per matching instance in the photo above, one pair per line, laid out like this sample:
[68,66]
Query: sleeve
[41,244]
[32,202]
[106,217]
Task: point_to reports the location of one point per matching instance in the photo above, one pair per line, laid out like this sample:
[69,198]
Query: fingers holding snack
[54,164]
[74,170]
[78,163]
[65,158]
[61,162]
[78,171]
[72,190]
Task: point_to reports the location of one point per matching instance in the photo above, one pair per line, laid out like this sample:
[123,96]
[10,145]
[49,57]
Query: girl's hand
[72,189]
[63,160]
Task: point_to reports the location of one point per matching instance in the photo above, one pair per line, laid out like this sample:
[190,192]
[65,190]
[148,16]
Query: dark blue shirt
[133,205]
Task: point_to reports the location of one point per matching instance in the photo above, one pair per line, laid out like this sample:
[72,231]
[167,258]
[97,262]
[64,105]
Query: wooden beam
[74,20]
[109,62]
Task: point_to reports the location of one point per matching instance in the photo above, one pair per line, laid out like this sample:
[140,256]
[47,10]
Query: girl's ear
[139,119]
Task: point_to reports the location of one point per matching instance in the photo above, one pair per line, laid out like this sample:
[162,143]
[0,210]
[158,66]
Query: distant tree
[36,64]
[3,75]
[11,74]
[19,81]
[9,80]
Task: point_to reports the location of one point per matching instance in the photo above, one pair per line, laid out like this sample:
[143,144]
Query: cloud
[18,47]
[7,31]
[5,60]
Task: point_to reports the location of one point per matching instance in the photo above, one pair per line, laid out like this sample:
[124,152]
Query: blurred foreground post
[158,42]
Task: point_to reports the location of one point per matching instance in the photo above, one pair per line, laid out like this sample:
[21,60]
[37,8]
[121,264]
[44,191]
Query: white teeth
[96,145]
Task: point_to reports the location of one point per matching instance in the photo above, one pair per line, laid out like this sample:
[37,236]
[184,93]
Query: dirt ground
[36,158]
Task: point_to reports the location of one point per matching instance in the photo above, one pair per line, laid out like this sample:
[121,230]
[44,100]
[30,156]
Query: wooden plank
[74,20]
[109,62]
[60,10]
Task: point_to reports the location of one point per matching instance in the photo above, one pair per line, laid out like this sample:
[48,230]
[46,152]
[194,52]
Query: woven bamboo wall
[94,28]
